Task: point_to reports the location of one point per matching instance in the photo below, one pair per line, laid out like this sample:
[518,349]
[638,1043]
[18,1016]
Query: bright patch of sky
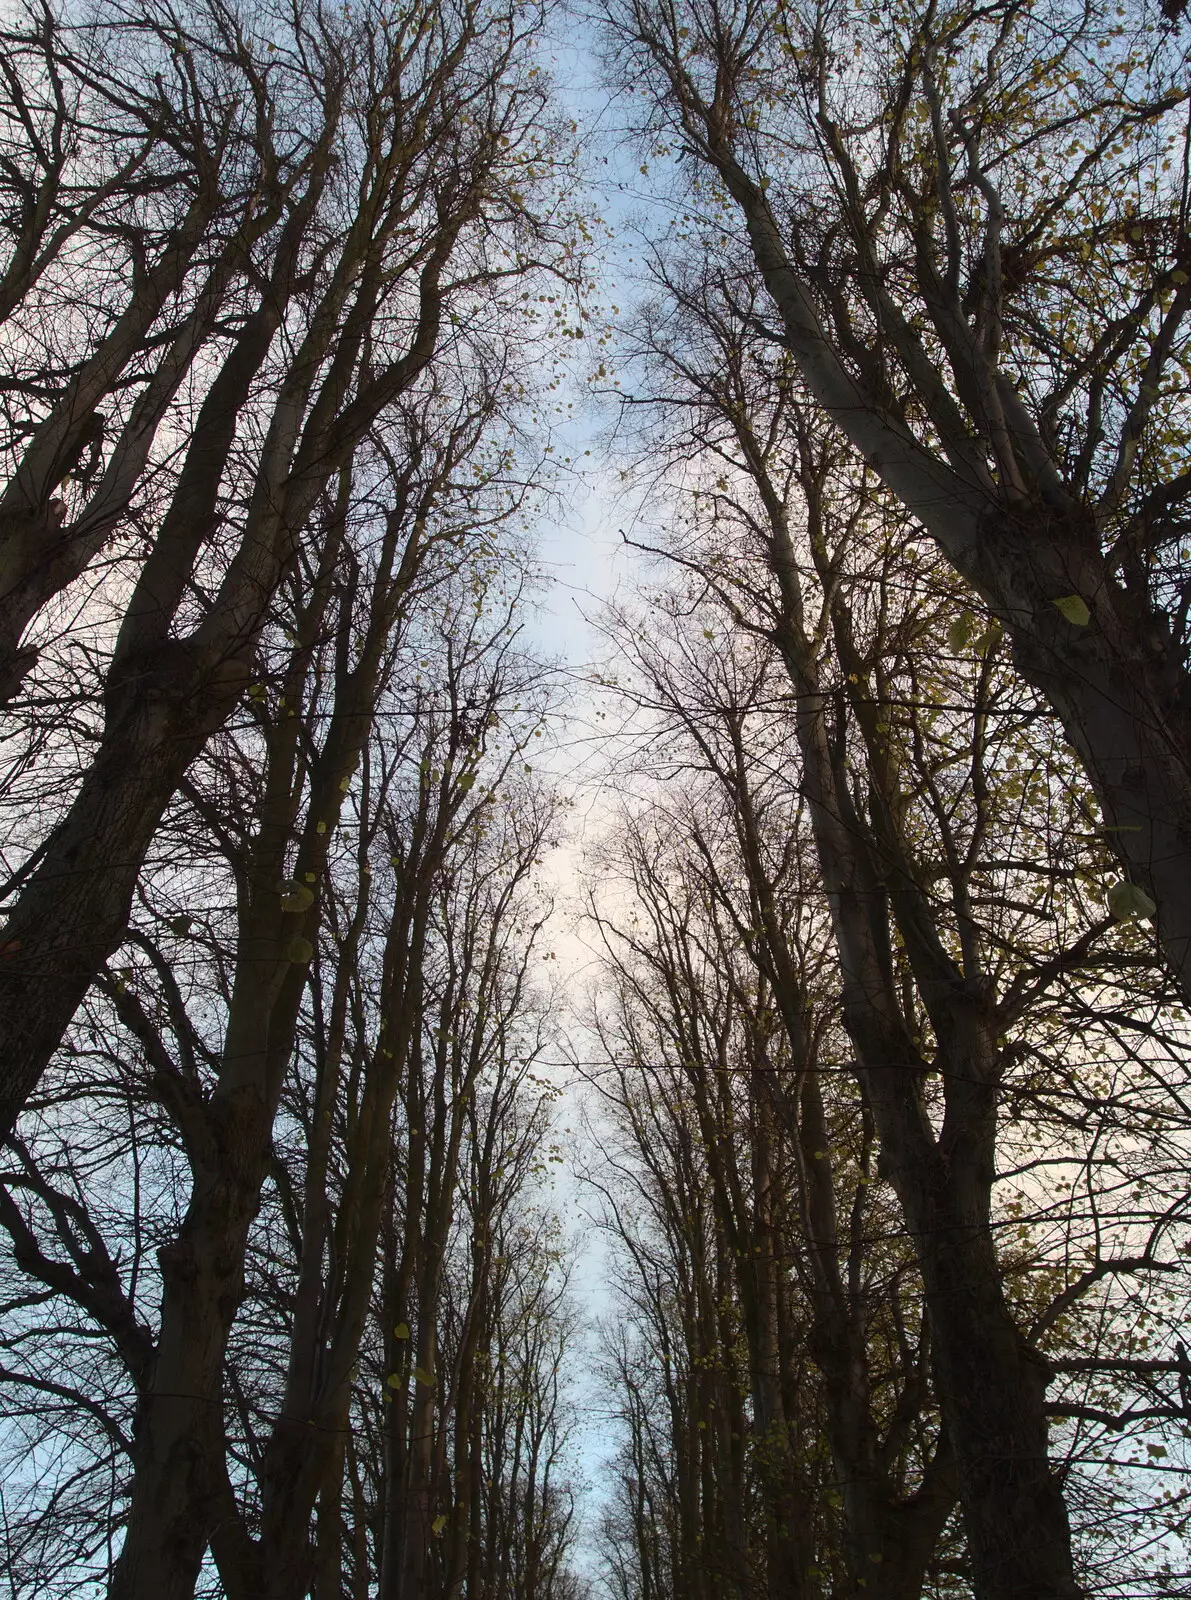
[585,563]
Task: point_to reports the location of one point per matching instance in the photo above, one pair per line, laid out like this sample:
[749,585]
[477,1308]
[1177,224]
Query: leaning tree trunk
[1114,680]
[73,911]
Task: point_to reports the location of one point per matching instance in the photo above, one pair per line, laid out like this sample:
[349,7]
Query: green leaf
[1075,608]
[296,896]
[299,950]
[423,1377]
[437,1526]
[401,1331]
[1128,903]
[960,631]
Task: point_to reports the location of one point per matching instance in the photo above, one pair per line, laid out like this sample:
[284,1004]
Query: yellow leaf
[1075,608]
[960,631]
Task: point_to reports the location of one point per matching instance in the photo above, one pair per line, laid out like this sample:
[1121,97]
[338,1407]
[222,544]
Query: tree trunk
[73,912]
[181,1433]
[888,1537]
[990,1386]
[1115,682]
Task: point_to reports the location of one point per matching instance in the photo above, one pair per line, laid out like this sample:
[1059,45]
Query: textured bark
[175,1502]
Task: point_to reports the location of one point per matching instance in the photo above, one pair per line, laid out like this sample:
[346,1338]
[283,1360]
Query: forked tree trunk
[175,1502]
[990,1387]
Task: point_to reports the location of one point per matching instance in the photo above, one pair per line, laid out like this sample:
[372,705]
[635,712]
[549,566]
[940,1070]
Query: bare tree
[388,673]
[810,561]
[972,224]
[733,952]
[420,148]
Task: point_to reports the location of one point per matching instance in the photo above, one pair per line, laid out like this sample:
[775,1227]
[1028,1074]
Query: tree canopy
[705,1118]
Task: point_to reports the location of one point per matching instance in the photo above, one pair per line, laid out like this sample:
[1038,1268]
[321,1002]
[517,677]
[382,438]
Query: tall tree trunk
[990,1386]
[892,1533]
[73,911]
[789,1513]
[181,1434]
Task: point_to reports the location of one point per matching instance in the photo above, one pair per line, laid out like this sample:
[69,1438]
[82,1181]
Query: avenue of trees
[881,1098]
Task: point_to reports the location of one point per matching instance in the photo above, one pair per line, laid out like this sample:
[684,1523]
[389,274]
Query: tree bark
[1120,695]
[73,911]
